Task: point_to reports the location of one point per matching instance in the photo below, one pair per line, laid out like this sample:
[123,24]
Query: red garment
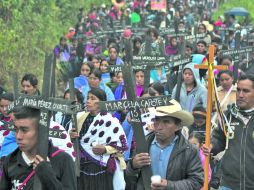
[202,157]
[70,34]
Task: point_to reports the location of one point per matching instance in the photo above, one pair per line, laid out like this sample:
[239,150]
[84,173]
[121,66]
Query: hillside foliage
[29,29]
[229,4]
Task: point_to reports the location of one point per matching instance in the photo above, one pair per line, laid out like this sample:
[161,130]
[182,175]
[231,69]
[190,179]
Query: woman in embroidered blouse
[102,142]
[226,90]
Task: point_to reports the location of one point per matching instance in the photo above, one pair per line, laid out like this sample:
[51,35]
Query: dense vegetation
[247,4]
[29,28]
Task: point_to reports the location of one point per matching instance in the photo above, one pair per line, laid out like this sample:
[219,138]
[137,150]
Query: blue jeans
[224,188]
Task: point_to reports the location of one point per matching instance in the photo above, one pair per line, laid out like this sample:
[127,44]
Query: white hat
[174,110]
[237,25]
[71,29]
[209,26]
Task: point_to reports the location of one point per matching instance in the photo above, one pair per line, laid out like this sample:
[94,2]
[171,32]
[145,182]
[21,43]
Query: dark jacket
[184,169]
[250,69]
[58,174]
[237,162]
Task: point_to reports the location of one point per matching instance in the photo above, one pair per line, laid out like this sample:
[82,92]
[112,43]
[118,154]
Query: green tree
[29,29]
[229,4]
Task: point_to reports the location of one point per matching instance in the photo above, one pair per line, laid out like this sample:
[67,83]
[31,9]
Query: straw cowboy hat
[209,26]
[174,110]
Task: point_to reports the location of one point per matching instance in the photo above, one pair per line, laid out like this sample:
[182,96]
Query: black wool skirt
[94,177]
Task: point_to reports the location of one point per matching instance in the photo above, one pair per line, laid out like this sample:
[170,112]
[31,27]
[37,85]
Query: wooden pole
[208,114]
[210,92]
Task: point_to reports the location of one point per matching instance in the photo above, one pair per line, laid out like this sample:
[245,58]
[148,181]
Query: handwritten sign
[181,62]
[171,32]
[150,60]
[118,68]
[238,51]
[43,119]
[55,133]
[135,104]
[191,37]
[57,105]
[225,29]
[109,32]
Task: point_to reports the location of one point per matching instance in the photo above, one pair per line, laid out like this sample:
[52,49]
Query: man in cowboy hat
[170,155]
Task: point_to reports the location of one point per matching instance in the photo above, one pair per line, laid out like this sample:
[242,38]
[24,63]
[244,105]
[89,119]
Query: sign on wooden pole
[46,104]
[235,53]
[134,105]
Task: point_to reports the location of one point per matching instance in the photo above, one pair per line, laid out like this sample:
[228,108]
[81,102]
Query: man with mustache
[170,155]
[237,162]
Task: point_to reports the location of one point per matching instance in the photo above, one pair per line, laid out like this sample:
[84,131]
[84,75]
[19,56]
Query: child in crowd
[196,139]
[85,70]
[105,75]
[199,125]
